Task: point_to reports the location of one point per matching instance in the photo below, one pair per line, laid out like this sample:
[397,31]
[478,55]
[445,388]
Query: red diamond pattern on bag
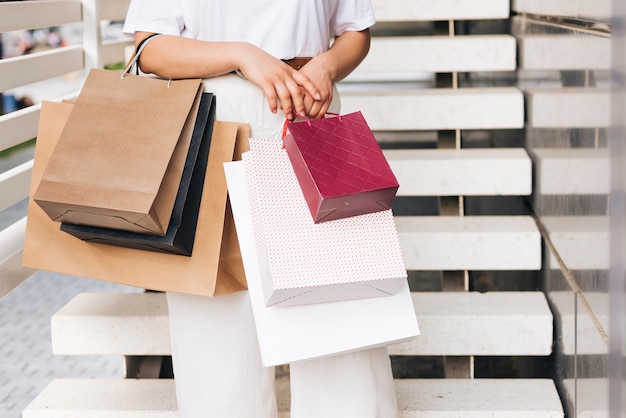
[340,167]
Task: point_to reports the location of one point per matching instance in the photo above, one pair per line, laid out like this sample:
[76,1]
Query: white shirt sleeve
[352,15]
[283,28]
[156,16]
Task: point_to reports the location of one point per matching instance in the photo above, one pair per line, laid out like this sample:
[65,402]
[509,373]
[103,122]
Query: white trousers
[217,365]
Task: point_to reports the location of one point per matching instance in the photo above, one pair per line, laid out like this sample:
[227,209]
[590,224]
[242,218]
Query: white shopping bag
[292,333]
[306,262]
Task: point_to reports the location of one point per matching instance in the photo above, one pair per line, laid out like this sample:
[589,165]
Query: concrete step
[585,9]
[112,323]
[583,242]
[440,398]
[427,10]
[568,107]
[469,242]
[438,109]
[571,171]
[439,54]
[588,397]
[465,398]
[462,172]
[481,324]
[517,323]
[564,52]
[579,331]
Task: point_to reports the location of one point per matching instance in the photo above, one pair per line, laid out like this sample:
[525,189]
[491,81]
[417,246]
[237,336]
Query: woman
[251,55]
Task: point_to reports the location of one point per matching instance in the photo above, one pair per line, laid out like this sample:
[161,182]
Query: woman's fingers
[284,87]
[306,83]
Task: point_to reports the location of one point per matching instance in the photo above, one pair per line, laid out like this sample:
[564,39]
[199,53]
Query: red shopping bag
[341,169]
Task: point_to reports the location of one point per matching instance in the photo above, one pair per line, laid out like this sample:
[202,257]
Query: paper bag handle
[307,120]
[133,62]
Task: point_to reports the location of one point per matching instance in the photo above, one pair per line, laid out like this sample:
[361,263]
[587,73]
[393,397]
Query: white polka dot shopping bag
[304,262]
[287,334]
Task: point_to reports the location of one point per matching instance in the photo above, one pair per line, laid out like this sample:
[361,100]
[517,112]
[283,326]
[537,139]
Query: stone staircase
[445,108]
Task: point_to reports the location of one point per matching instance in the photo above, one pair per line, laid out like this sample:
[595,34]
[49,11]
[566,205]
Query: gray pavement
[27,364]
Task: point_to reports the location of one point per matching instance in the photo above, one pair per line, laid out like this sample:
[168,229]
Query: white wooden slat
[472,323]
[11,271]
[440,54]
[437,398]
[114,52]
[19,126]
[564,52]
[92,34]
[463,172]
[572,171]
[569,107]
[114,10]
[469,243]
[18,15]
[583,242]
[13,274]
[579,334]
[27,69]
[585,9]
[15,184]
[428,10]
[438,109]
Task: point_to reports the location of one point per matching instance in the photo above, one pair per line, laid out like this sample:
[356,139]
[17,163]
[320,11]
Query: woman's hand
[346,53]
[283,86]
[316,71]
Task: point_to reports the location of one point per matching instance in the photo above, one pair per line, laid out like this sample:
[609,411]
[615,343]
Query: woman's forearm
[178,57]
[346,53]
[332,66]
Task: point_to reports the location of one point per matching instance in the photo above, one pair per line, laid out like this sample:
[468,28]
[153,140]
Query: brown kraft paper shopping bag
[215,266]
[119,160]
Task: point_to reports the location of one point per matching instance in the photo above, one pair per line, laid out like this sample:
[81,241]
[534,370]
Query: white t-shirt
[283,28]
